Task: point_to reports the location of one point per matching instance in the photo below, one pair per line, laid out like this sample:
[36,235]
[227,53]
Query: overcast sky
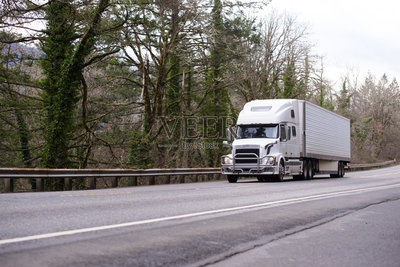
[362,35]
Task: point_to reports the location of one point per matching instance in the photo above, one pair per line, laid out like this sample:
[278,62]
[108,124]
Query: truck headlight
[270,160]
[227,160]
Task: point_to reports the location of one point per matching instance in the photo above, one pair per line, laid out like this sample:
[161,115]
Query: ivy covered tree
[59,98]
[65,52]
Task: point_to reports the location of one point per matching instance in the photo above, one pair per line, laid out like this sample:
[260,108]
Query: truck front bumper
[249,164]
[249,169]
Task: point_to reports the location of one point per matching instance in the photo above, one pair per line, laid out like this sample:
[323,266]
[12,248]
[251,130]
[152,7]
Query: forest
[155,83]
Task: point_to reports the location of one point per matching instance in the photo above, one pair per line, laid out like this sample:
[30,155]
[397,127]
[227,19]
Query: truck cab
[269,142]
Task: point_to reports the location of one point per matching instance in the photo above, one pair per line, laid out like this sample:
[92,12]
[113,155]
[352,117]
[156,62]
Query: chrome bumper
[247,168]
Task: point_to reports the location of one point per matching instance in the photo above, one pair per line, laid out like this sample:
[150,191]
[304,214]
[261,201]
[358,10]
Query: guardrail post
[132,181]
[92,183]
[168,181]
[152,180]
[39,185]
[68,184]
[9,185]
[114,182]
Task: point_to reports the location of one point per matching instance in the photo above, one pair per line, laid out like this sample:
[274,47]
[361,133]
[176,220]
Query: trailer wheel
[340,171]
[232,178]
[310,174]
[341,167]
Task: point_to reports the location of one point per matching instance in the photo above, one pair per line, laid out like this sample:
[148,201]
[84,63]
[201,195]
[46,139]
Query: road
[351,221]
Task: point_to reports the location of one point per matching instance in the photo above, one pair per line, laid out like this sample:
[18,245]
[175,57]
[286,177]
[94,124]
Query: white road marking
[196,214]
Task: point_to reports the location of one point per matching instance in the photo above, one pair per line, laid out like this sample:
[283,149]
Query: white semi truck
[279,137]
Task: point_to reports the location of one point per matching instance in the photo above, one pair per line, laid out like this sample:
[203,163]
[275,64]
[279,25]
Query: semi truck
[275,138]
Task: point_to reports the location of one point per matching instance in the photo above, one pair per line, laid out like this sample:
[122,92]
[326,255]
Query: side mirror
[229,134]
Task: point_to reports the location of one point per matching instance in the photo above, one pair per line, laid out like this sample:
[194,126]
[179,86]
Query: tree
[343,100]
[375,107]
[63,64]
[276,62]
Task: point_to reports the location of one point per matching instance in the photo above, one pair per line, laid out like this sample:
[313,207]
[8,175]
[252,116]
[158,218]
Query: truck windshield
[257,131]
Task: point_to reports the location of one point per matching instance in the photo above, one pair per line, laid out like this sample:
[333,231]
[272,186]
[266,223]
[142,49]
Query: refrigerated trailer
[279,137]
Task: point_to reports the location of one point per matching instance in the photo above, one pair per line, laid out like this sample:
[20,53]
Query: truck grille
[246,155]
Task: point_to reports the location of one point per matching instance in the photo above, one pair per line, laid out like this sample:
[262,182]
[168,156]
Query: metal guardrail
[367,166]
[9,174]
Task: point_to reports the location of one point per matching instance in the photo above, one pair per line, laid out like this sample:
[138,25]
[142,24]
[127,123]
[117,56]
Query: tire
[340,171]
[279,177]
[310,170]
[306,167]
[303,176]
[232,178]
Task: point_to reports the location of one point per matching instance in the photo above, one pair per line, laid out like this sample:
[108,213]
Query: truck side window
[289,133]
[282,132]
[294,131]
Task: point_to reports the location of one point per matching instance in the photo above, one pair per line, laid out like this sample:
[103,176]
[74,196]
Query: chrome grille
[247,155]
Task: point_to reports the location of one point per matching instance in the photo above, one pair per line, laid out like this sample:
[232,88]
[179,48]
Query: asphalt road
[351,221]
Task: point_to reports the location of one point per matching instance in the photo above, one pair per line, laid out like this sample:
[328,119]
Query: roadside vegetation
[140,84]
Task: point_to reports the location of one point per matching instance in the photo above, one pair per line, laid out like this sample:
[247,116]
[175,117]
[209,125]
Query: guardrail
[9,174]
[367,166]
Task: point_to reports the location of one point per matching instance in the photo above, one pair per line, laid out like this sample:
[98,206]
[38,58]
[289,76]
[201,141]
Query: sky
[360,36]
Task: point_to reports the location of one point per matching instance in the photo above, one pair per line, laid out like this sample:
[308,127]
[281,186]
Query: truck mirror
[229,134]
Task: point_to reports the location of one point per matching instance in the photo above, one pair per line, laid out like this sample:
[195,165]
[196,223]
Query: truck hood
[254,142]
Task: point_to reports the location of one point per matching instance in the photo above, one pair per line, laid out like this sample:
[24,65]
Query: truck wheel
[341,166]
[310,170]
[306,169]
[340,171]
[279,177]
[303,176]
[232,178]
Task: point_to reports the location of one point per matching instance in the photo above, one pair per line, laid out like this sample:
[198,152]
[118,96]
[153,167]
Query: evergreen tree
[343,101]
[217,99]
[289,81]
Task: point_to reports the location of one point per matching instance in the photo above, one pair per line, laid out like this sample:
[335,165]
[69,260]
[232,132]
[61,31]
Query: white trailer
[279,137]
